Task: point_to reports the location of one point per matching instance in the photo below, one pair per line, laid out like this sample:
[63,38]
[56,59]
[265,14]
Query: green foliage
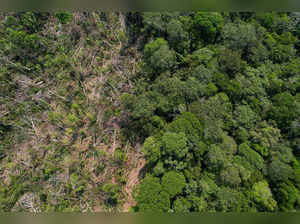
[216,158]
[238,36]
[207,186]
[152,149]
[119,156]
[10,194]
[150,196]
[198,128]
[216,114]
[227,115]
[207,26]
[203,56]
[279,171]
[188,124]
[181,125]
[182,205]
[214,99]
[287,196]
[245,117]
[230,62]
[173,183]
[32,21]
[275,21]
[262,194]
[142,105]
[265,135]
[229,200]
[228,145]
[24,48]
[175,144]
[158,55]
[241,161]
[156,22]
[177,36]
[284,110]
[250,155]
[159,170]
[111,192]
[64,17]
[230,176]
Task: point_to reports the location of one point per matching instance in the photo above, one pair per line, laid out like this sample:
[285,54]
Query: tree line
[217,104]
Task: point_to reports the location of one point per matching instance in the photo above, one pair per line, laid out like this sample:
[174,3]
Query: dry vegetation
[74,151]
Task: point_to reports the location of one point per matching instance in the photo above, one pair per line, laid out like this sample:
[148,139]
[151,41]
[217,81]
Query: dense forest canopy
[213,98]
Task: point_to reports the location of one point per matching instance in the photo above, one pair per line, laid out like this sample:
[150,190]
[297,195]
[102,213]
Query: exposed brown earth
[134,178]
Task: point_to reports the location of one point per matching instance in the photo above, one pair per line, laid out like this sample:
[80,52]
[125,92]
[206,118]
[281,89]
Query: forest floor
[134,177]
[69,148]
